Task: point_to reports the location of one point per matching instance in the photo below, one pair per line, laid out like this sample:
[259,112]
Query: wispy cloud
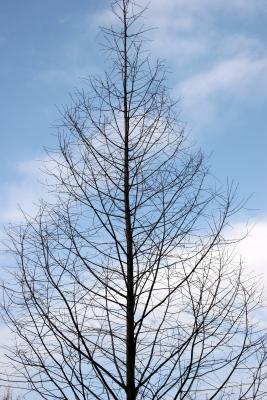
[233,80]
[230,76]
[208,6]
[209,30]
[23,192]
[252,248]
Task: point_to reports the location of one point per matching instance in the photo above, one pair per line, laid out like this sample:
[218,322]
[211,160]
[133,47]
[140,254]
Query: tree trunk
[130,341]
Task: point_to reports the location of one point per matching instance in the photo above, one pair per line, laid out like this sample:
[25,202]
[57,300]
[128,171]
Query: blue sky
[217,54]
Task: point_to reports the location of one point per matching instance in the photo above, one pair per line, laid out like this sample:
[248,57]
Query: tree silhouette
[127,286]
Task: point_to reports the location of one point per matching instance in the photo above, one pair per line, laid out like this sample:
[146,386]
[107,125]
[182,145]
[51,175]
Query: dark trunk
[130,341]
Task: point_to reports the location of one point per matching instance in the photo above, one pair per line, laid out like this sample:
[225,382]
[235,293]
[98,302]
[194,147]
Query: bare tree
[127,287]
[8,395]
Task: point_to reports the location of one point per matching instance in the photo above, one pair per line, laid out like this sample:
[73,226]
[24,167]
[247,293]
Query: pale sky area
[217,56]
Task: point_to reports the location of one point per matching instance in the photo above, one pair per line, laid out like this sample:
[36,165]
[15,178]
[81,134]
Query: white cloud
[21,195]
[206,6]
[199,27]
[188,34]
[240,44]
[24,191]
[252,248]
[7,339]
[230,76]
[236,80]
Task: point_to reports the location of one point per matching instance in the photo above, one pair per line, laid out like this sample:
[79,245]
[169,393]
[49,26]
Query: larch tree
[127,286]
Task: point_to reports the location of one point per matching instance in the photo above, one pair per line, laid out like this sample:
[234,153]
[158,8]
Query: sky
[216,53]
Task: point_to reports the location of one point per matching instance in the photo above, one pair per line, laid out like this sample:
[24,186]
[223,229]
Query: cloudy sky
[216,52]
